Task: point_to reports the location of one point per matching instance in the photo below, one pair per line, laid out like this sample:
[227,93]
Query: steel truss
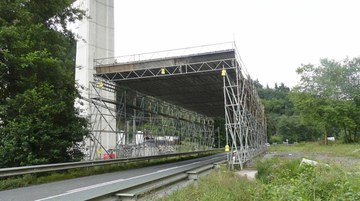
[244,117]
[142,125]
[200,67]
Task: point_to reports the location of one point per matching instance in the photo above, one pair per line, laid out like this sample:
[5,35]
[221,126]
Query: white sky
[273,37]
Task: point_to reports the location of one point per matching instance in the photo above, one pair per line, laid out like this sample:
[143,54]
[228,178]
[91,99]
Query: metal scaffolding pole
[244,117]
[158,127]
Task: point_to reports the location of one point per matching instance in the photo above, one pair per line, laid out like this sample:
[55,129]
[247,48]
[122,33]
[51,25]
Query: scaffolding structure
[197,85]
[141,125]
[244,117]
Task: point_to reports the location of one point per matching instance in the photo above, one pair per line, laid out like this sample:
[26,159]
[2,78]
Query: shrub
[276,139]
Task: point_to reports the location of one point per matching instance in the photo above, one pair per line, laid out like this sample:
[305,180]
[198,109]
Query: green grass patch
[222,185]
[277,180]
[287,180]
[41,178]
[283,179]
[352,150]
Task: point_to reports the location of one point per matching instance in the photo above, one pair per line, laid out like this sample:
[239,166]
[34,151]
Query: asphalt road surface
[89,187]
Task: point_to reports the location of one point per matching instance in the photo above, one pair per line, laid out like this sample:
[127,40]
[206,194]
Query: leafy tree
[316,110]
[295,130]
[38,121]
[328,94]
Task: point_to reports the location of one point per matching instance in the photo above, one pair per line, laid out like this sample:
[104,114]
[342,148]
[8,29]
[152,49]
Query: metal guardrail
[142,184]
[15,171]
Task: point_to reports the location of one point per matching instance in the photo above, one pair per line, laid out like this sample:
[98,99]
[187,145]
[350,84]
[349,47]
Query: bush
[276,139]
[271,170]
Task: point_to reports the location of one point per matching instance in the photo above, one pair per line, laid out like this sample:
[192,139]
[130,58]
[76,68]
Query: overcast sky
[273,37]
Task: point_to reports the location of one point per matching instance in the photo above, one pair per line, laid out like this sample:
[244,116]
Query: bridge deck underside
[193,82]
[200,92]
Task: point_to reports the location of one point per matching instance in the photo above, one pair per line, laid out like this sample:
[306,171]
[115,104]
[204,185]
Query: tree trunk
[346,138]
[325,135]
[356,134]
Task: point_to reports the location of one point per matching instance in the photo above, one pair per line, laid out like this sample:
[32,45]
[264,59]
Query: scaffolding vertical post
[242,106]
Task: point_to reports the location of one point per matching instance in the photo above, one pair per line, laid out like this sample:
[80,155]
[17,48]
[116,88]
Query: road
[90,187]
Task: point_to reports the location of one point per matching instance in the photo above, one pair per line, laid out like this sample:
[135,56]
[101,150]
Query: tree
[327,96]
[38,121]
[315,110]
[295,130]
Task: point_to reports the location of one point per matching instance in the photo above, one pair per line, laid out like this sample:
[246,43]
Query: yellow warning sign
[227,148]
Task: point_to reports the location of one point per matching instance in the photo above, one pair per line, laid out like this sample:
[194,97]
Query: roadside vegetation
[281,179]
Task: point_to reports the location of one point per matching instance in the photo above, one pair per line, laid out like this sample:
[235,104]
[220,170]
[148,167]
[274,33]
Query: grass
[335,149]
[286,180]
[41,178]
[221,185]
[280,179]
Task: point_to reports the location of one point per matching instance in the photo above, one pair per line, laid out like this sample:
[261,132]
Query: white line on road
[111,182]
[94,186]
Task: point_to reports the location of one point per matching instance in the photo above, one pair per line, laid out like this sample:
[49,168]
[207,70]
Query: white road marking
[170,168]
[111,182]
[94,186]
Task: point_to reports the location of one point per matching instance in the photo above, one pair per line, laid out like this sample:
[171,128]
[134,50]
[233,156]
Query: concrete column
[97,41]
[97,33]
